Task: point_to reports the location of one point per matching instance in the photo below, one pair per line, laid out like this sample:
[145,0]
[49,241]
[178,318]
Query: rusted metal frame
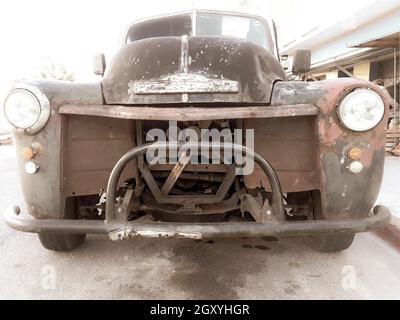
[121,230]
[227,182]
[143,168]
[151,183]
[185,199]
[190,113]
[216,168]
[260,212]
[277,204]
[203,199]
[175,173]
[250,204]
[139,141]
[126,204]
[161,197]
[209,177]
[227,229]
[224,206]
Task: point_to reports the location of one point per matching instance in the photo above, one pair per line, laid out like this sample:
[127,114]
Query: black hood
[191,70]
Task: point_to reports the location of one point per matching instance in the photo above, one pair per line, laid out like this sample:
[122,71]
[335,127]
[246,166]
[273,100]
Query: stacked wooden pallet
[392,139]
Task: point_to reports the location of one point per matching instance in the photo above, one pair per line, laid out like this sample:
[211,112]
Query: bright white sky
[71,31]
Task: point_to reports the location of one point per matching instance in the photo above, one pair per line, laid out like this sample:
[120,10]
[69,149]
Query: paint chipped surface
[183,83]
[135,77]
[130,233]
[360,192]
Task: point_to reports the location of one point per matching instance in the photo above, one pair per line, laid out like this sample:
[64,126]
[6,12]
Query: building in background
[365,46]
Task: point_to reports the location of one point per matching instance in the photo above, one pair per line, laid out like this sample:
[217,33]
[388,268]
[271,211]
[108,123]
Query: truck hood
[191,70]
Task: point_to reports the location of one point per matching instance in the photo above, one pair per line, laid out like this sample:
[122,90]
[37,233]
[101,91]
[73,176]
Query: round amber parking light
[28,153]
[354,153]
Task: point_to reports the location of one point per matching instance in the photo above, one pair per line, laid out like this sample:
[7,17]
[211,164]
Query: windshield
[207,24]
[162,27]
[251,29]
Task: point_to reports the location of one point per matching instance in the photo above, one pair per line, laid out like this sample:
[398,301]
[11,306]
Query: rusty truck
[195,131]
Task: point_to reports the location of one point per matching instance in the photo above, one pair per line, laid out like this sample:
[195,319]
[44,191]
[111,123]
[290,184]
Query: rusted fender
[343,193]
[43,192]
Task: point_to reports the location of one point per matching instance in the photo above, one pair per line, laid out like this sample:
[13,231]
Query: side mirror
[99,64]
[285,62]
[301,62]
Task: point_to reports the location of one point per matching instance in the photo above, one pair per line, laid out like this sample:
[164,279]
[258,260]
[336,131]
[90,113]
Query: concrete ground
[390,190]
[184,269]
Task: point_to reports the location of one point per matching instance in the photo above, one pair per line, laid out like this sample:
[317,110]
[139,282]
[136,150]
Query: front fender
[43,192]
[343,194]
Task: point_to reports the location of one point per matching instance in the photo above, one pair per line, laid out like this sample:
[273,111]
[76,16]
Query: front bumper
[118,228]
[380,216]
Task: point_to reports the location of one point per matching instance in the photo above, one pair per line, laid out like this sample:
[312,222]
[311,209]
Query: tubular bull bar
[117,229]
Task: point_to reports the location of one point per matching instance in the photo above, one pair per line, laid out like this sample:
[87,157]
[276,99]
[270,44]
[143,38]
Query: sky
[71,31]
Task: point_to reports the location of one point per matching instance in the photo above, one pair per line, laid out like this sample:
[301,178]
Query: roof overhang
[390,41]
[370,34]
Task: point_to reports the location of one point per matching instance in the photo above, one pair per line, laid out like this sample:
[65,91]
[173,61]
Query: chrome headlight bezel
[43,103]
[354,124]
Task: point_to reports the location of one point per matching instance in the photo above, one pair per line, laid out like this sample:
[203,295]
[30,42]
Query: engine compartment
[203,190]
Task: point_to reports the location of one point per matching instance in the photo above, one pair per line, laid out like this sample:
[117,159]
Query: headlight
[22,109]
[27,109]
[361,110]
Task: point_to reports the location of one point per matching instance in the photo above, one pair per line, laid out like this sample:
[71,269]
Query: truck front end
[194,132]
